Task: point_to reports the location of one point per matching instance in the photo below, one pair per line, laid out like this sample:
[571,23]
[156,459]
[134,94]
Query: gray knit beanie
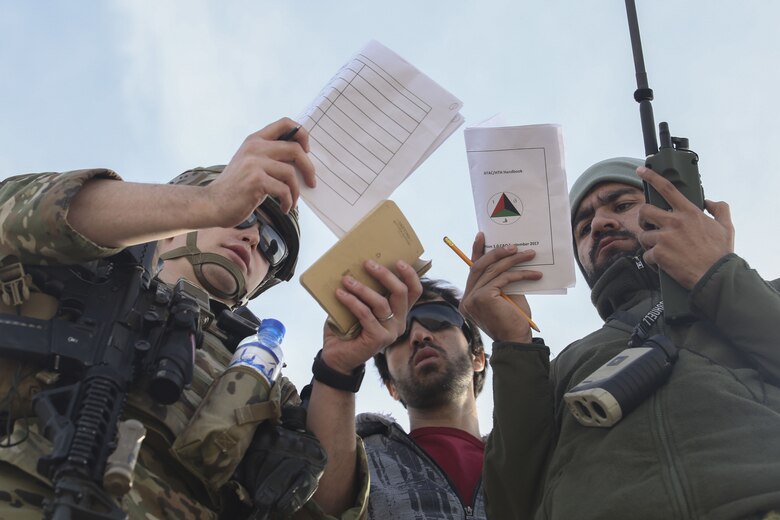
[617,169]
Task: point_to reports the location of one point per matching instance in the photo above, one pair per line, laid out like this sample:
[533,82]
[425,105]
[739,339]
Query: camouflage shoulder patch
[33,224]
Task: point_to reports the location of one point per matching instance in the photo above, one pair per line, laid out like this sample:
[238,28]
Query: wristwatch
[326,375]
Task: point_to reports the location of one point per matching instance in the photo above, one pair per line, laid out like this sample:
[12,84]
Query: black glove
[282,466]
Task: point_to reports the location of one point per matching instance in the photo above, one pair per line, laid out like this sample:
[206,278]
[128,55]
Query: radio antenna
[643,93]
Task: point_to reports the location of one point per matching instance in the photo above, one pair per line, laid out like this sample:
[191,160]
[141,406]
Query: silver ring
[388,318]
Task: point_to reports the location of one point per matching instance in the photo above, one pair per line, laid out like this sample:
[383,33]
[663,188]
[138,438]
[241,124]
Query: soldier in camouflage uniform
[185,469]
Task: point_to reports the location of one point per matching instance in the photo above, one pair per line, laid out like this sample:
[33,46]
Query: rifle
[673,160]
[114,327]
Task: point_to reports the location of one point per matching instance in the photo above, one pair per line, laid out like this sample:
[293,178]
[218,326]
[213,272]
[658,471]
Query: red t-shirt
[458,453]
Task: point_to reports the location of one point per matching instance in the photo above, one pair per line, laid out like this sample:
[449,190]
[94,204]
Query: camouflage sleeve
[359,511]
[33,218]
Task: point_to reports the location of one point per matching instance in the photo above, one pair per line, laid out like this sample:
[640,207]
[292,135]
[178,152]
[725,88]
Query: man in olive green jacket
[704,443]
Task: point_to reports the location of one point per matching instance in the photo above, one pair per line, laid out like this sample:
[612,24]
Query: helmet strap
[197,259]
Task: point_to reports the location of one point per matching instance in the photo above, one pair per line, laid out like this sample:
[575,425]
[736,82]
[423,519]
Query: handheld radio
[673,160]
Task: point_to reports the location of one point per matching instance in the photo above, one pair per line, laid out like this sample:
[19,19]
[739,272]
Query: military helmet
[286,224]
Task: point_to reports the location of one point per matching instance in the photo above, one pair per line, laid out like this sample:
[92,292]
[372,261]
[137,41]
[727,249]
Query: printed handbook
[520,197]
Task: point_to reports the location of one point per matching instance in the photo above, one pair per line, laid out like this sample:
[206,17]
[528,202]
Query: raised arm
[516,449]
[331,415]
[114,214]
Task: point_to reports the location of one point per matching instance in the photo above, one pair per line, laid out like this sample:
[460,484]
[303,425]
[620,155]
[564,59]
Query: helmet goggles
[272,244]
[435,316]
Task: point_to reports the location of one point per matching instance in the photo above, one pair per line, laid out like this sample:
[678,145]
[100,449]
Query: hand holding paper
[484,300]
[384,236]
[468,261]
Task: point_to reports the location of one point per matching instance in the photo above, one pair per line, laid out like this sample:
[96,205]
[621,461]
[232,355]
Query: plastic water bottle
[262,352]
[219,433]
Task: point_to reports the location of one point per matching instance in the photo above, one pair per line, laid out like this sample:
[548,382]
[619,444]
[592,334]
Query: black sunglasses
[272,245]
[435,316]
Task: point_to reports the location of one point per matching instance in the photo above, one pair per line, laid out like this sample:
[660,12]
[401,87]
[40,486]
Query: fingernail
[341,292]
[510,247]
[373,265]
[350,281]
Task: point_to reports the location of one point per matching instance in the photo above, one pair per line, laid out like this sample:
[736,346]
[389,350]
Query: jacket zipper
[679,501]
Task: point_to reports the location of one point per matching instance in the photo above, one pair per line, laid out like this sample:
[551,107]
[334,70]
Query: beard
[431,386]
[598,270]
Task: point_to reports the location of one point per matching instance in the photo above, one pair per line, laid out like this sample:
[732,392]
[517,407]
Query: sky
[151,89]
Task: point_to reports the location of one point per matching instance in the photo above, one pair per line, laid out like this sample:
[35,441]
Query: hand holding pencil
[483,297]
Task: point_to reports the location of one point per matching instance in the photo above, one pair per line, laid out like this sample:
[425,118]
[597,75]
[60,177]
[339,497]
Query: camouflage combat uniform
[34,229]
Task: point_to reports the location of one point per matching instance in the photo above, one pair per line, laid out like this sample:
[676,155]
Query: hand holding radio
[673,160]
[684,242]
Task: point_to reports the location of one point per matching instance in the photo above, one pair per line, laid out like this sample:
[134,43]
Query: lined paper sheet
[371,126]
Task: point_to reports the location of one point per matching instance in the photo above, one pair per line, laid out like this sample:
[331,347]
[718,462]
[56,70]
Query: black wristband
[326,375]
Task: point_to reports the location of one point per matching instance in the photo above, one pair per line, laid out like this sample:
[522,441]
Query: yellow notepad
[383,235]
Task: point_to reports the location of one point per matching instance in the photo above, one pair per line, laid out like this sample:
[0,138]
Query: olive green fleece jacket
[705,445]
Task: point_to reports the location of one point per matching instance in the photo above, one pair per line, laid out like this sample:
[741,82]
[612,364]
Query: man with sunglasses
[436,369]
[233,232]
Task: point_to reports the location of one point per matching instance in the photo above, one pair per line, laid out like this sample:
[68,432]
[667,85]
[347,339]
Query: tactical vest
[186,484]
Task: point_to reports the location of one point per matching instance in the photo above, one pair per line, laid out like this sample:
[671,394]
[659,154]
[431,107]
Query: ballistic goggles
[435,316]
[271,245]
